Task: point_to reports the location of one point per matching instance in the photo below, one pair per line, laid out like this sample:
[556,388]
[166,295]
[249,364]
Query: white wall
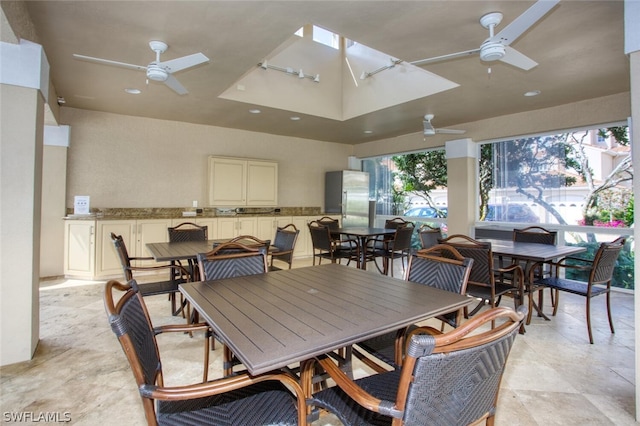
[124,161]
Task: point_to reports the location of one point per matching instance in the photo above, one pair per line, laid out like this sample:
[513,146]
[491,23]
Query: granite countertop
[176,213]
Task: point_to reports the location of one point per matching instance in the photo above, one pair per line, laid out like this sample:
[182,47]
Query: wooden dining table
[362,236]
[273,320]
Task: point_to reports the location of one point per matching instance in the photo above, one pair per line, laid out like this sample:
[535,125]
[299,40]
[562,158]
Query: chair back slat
[402,238]
[458,387]
[429,236]
[130,322]
[605,260]
[320,236]
[188,231]
[395,223]
[123,255]
[480,252]
[535,234]
[229,260]
[285,241]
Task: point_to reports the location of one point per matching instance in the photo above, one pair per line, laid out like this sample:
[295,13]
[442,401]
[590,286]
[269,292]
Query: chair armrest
[199,390]
[151,268]
[356,393]
[141,258]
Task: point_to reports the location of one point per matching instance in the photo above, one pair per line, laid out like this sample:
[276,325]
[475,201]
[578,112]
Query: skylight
[326,37]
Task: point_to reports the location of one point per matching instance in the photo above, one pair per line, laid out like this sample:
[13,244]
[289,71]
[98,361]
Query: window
[409,184]
[565,179]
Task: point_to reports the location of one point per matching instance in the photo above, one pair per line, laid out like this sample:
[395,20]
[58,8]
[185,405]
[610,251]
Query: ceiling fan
[429,130]
[496,47]
[156,70]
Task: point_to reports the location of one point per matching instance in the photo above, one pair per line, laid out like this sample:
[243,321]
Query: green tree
[485,178]
[423,172]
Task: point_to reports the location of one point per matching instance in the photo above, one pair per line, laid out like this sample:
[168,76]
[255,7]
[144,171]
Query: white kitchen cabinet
[267,226]
[234,182]
[262,183]
[303,246]
[107,260]
[79,243]
[150,231]
[233,226]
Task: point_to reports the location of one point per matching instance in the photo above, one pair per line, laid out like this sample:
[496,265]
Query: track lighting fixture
[392,63]
[290,70]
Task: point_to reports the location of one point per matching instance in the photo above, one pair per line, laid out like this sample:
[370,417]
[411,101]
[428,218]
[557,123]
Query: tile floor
[553,377]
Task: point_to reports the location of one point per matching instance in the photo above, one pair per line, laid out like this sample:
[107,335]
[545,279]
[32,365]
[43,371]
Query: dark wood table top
[279,318]
[532,251]
[185,250]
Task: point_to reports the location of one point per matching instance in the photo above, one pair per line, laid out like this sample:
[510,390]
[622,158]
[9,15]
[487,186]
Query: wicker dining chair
[430,267]
[445,379]
[271,398]
[429,235]
[600,274]
[188,231]
[327,247]
[285,243]
[230,260]
[487,283]
[396,247]
[178,275]
[536,235]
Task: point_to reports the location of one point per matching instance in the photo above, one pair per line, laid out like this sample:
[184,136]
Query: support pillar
[462,164]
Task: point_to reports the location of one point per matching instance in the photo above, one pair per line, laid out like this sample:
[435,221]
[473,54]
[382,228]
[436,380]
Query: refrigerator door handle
[344,204]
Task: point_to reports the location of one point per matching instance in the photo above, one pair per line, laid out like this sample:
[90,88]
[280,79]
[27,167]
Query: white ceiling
[578,45]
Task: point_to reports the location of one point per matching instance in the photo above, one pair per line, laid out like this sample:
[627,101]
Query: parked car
[511,213]
[426,212]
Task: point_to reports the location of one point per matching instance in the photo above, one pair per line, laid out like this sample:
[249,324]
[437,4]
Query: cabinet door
[212,226]
[266,228]
[227,227]
[79,253]
[303,244]
[248,226]
[150,231]
[107,260]
[227,182]
[262,183]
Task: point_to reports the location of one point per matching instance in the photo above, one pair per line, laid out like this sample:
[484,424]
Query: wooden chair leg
[556,296]
[609,312]
[589,320]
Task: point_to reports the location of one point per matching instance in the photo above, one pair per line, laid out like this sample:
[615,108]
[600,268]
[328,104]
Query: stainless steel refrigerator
[347,192]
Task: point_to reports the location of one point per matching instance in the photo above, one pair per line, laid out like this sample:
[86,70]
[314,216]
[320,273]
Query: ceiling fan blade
[179,64]
[517,59]
[428,127]
[175,85]
[523,22]
[451,131]
[445,57]
[109,62]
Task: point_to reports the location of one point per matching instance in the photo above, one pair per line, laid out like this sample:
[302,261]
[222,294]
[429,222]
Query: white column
[462,164]
[24,82]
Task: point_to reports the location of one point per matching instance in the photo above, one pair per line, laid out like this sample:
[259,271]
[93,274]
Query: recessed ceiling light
[532,93]
[255,111]
[132,91]
[294,118]
[368,131]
